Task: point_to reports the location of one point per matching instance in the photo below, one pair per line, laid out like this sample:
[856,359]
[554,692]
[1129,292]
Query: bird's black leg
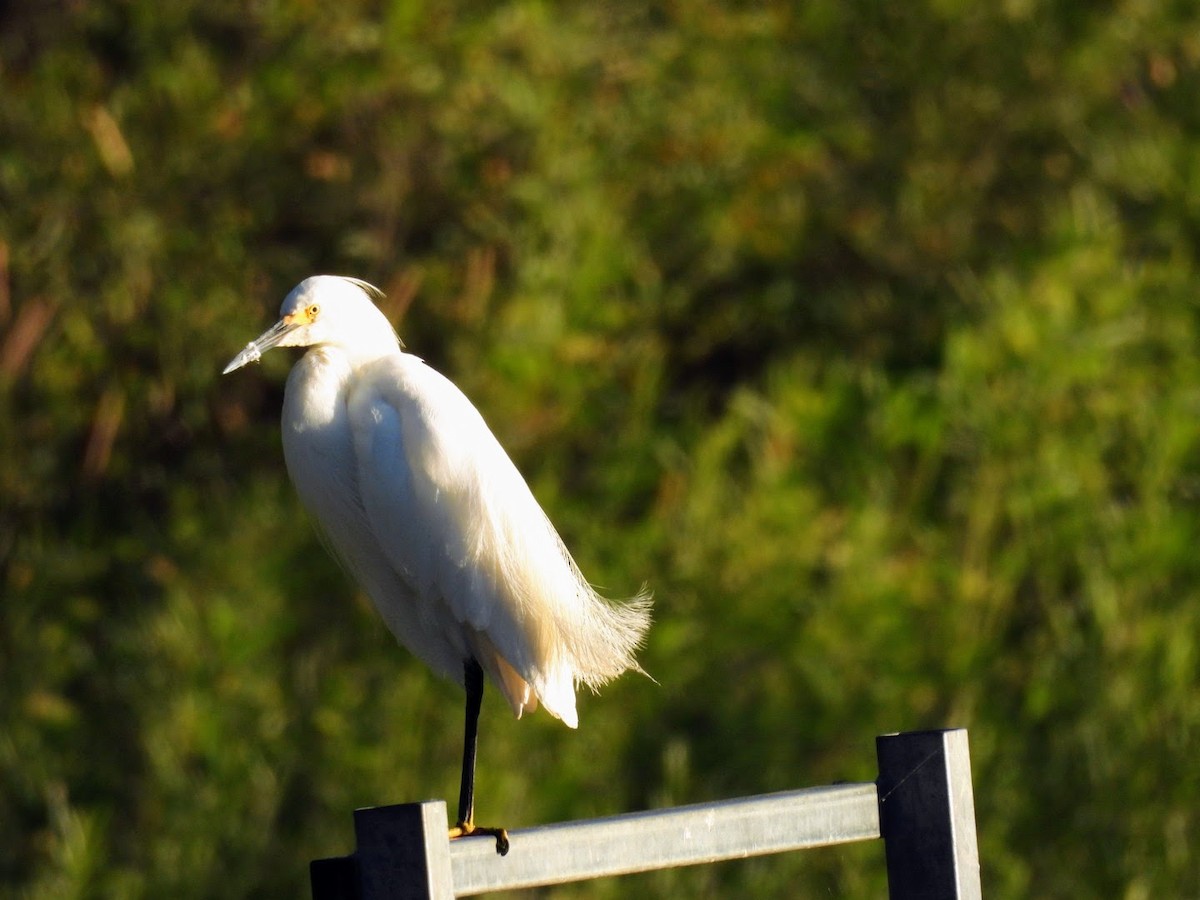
[466,791]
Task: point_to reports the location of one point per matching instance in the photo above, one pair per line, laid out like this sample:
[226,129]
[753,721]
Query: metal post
[335,878]
[402,853]
[927,815]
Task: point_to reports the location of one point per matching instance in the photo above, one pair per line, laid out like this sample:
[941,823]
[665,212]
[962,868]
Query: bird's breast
[317,443]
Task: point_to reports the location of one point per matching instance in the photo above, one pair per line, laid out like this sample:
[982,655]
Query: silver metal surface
[962,815]
[658,839]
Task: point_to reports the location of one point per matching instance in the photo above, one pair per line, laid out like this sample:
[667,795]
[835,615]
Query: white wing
[456,518]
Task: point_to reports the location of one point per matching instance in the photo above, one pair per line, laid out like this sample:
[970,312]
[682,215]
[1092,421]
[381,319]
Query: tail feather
[613,633]
[556,631]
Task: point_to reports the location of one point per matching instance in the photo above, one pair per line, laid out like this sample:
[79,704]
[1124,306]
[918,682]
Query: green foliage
[866,335]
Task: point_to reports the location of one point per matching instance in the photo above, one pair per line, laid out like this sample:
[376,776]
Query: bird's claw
[470,829]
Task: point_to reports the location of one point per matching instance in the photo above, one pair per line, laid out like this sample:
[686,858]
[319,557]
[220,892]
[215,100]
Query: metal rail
[922,806]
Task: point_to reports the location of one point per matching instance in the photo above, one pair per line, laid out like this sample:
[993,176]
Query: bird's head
[326,310]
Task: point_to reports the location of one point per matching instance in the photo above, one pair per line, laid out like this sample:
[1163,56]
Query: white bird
[422,506]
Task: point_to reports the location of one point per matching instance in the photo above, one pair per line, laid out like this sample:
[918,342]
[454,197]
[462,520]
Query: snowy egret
[426,511]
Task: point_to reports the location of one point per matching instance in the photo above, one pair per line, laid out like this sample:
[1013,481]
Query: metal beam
[658,839]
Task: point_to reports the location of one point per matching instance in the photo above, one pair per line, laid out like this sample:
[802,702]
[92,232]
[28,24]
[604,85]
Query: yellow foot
[470,829]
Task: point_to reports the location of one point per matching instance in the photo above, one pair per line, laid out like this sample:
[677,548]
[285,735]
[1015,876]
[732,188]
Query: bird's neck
[369,345]
[314,389]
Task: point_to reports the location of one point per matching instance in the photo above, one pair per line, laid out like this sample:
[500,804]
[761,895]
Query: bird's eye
[312,311]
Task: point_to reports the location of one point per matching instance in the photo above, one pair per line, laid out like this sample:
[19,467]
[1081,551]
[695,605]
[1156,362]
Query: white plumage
[423,507]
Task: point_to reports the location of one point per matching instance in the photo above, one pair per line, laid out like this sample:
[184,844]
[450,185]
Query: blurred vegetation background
[866,334]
